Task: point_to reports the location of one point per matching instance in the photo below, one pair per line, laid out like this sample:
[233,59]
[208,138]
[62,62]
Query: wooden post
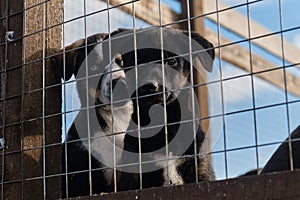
[197,25]
[11,89]
[32,93]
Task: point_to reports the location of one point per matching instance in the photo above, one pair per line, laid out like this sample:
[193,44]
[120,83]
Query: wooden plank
[239,56]
[53,101]
[271,186]
[32,105]
[147,11]
[11,54]
[237,22]
[21,109]
[232,20]
[200,77]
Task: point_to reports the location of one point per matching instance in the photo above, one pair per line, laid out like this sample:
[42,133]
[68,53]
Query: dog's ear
[206,57]
[65,63]
[120,30]
[68,63]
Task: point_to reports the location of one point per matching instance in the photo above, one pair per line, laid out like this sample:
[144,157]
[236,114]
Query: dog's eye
[172,62]
[93,68]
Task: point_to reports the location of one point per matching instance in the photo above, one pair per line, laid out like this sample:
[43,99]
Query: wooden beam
[200,77]
[11,55]
[196,9]
[239,56]
[231,19]
[41,131]
[237,22]
[147,11]
[271,186]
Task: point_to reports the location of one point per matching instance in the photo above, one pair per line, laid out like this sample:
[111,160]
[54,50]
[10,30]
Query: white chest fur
[107,146]
[170,172]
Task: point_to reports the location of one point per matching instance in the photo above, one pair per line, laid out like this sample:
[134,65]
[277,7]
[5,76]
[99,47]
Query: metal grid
[35,114]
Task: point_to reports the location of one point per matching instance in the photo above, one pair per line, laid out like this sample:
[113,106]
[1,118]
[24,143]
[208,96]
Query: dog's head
[97,82]
[164,58]
[69,61]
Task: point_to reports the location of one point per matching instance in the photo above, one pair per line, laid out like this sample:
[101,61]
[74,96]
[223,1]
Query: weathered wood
[197,25]
[11,56]
[271,186]
[42,161]
[231,19]
[236,22]
[32,129]
[148,11]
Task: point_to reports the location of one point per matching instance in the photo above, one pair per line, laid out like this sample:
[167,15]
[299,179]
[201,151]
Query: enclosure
[249,104]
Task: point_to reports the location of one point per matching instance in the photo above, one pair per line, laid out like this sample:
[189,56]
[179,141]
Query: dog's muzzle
[148,88]
[119,92]
[153,90]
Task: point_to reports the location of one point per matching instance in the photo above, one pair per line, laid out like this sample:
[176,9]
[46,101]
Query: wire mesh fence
[103,96]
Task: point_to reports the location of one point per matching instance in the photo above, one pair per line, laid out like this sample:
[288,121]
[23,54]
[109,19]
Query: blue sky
[271,124]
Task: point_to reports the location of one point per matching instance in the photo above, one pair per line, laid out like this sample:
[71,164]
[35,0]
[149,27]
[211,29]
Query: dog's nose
[148,88]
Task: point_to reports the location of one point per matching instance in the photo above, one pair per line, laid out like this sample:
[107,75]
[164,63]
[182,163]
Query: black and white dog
[89,58]
[164,149]
[98,119]
[167,147]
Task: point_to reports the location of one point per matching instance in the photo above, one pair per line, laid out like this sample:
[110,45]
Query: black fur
[77,155]
[280,160]
[174,109]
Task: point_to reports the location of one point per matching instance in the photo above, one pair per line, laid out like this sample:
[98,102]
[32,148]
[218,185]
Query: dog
[143,162]
[151,92]
[102,118]
[181,170]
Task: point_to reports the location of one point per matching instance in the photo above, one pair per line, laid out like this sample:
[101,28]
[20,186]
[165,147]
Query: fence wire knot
[9,36]
[2,143]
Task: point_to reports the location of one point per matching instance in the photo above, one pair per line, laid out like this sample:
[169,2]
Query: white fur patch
[170,172]
[103,146]
[111,71]
[103,149]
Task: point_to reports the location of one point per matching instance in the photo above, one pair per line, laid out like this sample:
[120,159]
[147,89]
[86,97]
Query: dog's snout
[120,91]
[149,88]
[121,83]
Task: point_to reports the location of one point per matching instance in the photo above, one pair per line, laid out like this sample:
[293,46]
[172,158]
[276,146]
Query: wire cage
[69,66]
